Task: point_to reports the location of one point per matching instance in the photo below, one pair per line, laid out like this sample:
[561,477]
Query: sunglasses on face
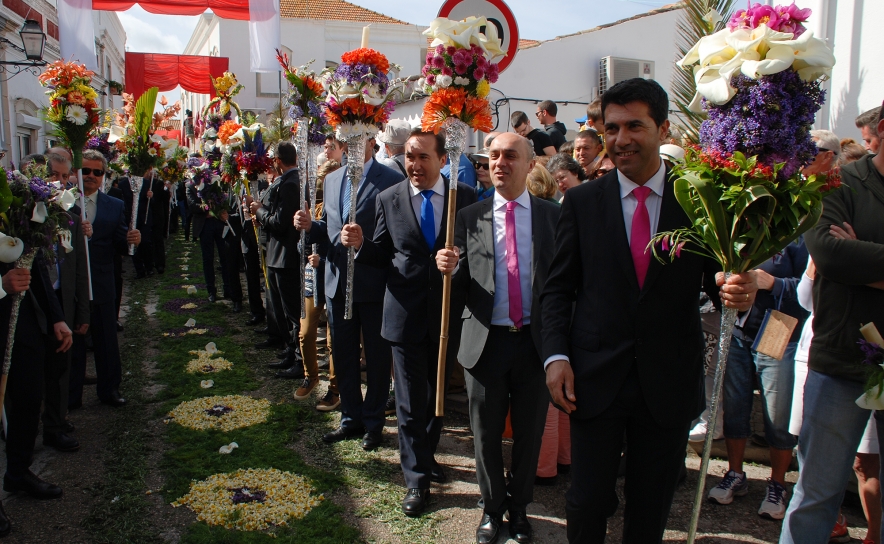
[482,165]
[94,171]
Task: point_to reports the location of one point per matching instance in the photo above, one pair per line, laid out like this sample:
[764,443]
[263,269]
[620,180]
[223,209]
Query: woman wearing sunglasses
[484,187]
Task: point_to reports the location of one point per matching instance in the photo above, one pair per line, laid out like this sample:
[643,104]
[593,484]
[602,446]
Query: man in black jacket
[410,229]
[209,230]
[276,213]
[546,115]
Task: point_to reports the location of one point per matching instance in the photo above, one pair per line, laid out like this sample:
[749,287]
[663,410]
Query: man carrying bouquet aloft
[208,207]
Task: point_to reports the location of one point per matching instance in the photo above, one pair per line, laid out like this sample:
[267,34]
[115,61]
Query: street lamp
[33,39]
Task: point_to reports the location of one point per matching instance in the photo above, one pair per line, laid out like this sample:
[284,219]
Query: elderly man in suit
[359,417]
[409,230]
[105,216]
[143,260]
[275,213]
[622,342]
[503,248]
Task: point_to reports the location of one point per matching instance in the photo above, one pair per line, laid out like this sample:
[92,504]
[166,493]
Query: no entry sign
[497,13]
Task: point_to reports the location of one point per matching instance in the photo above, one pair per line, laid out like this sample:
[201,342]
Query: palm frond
[144,112]
[691,28]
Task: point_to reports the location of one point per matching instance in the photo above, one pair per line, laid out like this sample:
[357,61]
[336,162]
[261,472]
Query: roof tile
[333,10]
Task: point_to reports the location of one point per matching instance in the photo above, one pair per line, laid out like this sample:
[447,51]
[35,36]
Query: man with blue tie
[409,231]
[359,417]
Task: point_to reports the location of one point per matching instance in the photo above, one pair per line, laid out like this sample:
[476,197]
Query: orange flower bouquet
[72,106]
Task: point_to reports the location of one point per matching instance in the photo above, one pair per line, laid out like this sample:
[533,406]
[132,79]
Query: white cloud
[151,33]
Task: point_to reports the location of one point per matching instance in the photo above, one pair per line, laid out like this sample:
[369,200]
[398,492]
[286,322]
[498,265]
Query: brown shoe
[307,387]
[329,403]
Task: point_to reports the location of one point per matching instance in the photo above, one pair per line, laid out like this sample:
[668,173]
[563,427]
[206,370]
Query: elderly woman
[566,171]
[484,187]
[541,184]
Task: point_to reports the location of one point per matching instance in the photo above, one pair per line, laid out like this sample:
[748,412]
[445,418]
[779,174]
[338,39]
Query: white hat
[483,154]
[671,152]
[395,133]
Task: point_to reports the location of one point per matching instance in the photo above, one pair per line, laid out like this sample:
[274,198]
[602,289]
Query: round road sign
[497,13]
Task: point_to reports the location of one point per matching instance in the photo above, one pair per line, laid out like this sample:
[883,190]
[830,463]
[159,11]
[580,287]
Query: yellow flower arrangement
[224,413]
[251,499]
[205,363]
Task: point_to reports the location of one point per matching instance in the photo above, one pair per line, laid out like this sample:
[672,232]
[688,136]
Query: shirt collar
[438,187]
[655,184]
[523,200]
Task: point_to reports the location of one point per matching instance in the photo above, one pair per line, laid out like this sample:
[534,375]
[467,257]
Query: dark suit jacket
[199,214]
[368,281]
[277,217]
[39,295]
[109,229]
[614,324]
[413,299]
[74,276]
[474,277]
[145,221]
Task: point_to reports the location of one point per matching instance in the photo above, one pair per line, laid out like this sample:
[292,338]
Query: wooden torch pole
[446,305]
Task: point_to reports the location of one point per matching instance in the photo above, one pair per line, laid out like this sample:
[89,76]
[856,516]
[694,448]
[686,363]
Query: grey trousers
[509,376]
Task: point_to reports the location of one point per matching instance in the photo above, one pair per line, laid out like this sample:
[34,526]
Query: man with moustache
[110,234]
[502,250]
[410,229]
[622,342]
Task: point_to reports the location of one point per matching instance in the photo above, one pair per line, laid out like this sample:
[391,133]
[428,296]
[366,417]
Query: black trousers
[233,244]
[118,282]
[210,238]
[24,390]
[56,387]
[287,315]
[108,368]
[254,273]
[367,317]
[158,241]
[184,212]
[415,366]
[653,460]
[508,377]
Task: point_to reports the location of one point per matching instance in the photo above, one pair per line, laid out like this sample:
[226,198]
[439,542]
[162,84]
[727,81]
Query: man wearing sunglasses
[110,234]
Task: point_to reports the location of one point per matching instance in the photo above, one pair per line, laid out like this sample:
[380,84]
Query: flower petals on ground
[243,412]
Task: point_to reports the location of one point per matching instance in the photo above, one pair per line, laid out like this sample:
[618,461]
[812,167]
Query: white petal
[64,238]
[211,348]
[40,213]
[10,249]
[190,322]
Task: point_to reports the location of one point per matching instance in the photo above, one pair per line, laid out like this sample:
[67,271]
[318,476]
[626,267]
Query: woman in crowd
[484,187]
[850,151]
[566,172]
[541,184]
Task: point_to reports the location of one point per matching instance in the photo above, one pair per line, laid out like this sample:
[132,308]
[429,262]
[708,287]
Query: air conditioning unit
[613,70]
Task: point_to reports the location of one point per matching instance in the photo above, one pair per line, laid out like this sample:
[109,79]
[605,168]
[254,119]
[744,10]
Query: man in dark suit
[622,342]
[504,246]
[410,228]
[209,230]
[143,260]
[358,417]
[276,212]
[110,234]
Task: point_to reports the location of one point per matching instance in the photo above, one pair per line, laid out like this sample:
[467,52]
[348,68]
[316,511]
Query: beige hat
[483,154]
[672,152]
[395,133]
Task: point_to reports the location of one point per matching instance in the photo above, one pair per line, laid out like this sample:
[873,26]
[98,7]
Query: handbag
[775,331]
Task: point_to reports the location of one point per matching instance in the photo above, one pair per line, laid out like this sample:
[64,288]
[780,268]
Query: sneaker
[774,505]
[390,407]
[731,485]
[839,532]
[698,433]
[307,387]
[329,402]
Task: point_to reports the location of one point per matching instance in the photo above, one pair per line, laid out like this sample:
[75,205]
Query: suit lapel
[485,228]
[614,224]
[406,211]
[671,218]
[536,229]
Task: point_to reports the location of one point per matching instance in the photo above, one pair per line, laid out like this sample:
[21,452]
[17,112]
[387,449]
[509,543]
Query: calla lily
[211,348]
[191,290]
[10,249]
[40,213]
[207,384]
[871,400]
[116,132]
[373,95]
[67,199]
[64,238]
[228,448]
[190,323]
[464,33]
[211,133]
[712,17]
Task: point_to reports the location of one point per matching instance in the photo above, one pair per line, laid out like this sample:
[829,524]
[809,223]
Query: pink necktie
[514,286]
[640,236]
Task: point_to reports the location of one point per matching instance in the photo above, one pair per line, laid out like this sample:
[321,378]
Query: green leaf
[144,113]
[5,192]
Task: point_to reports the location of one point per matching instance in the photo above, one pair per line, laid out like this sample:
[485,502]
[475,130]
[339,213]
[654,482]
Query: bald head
[490,138]
[511,157]
[61,151]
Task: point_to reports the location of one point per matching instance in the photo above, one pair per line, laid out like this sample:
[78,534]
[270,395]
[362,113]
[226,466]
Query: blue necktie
[348,195]
[428,220]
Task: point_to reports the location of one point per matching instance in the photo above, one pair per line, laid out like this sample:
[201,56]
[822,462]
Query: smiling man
[410,229]
[622,343]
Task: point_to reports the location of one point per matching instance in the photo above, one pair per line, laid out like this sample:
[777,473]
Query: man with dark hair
[587,147]
[542,142]
[594,116]
[622,343]
[59,168]
[410,229]
[275,212]
[546,115]
[868,123]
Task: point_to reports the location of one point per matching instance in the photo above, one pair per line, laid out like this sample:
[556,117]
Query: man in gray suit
[503,249]
[359,417]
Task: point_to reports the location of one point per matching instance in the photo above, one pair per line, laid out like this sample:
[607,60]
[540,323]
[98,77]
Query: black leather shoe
[270,343]
[61,442]
[437,474]
[284,354]
[294,372]
[342,434]
[415,502]
[520,528]
[488,529]
[262,330]
[212,297]
[283,364]
[114,400]
[5,526]
[32,485]
[371,441]
[254,320]
[237,307]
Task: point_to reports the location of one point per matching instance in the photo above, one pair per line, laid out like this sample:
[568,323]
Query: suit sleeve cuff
[2,292]
[555,358]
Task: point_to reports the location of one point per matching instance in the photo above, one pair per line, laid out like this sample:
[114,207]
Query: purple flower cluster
[770,117]
[873,354]
[219,410]
[451,61]
[100,144]
[361,74]
[779,18]
[244,494]
[194,162]
[174,306]
[41,190]
[211,330]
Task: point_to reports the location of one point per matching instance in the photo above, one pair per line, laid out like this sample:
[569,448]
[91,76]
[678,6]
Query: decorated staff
[742,189]
[253,161]
[305,98]
[458,75]
[358,104]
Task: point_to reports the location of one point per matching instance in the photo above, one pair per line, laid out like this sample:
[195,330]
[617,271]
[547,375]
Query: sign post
[497,13]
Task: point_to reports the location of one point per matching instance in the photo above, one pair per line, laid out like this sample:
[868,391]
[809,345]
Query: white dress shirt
[437,200]
[628,202]
[91,207]
[500,314]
